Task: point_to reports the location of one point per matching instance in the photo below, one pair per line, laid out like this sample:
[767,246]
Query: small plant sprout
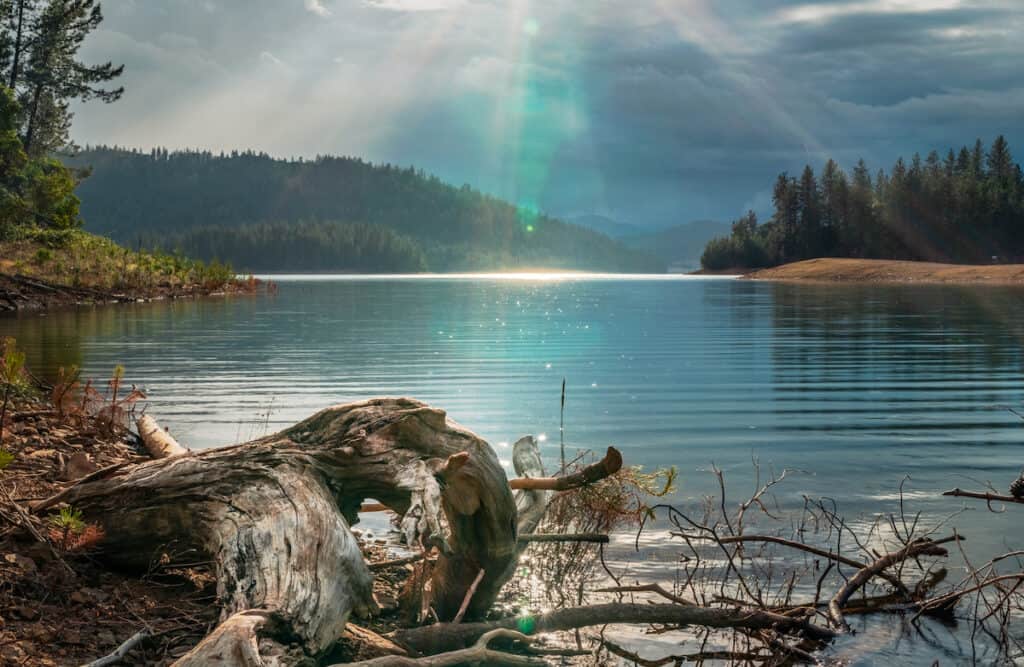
[70,532]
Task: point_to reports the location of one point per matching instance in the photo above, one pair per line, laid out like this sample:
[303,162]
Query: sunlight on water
[527,276]
[853,388]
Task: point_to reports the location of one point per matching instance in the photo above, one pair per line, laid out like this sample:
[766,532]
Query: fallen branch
[158,442]
[478,654]
[121,651]
[596,538]
[469,596]
[397,562]
[950,599]
[990,497]
[444,636]
[609,465]
[920,547]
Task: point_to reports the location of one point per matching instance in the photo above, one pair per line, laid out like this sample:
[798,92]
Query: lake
[855,386]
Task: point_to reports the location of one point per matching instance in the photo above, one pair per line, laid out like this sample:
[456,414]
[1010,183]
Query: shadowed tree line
[967,206]
[304,246]
[161,197]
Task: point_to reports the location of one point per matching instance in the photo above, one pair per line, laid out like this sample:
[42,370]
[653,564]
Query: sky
[652,112]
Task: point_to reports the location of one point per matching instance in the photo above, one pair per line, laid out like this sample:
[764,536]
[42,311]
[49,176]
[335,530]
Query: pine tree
[54,76]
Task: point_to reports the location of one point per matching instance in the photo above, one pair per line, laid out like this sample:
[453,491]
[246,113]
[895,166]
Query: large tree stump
[274,514]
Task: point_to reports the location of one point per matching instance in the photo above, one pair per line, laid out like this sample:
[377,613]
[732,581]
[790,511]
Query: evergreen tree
[967,207]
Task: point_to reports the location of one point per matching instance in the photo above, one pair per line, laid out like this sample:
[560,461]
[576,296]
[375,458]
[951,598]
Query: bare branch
[921,547]
[609,465]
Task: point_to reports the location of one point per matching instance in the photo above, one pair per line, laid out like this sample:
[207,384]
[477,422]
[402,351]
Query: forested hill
[243,206]
[966,206]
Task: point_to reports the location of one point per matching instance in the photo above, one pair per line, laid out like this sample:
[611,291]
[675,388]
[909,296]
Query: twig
[646,588]
[609,465]
[397,562]
[478,654]
[469,596]
[596,538]
[121,651]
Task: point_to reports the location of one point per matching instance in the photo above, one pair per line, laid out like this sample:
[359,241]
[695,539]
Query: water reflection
[857,386]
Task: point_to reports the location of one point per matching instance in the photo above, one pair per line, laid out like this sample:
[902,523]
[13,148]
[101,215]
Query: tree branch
[478,654]
[920,547]
[442,636]
[609,465]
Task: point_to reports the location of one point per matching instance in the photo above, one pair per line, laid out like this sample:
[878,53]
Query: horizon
[648,115]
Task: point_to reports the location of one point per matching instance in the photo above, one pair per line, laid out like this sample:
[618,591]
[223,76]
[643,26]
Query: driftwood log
[274,514]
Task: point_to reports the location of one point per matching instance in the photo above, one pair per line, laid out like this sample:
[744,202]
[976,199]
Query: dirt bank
[878,271]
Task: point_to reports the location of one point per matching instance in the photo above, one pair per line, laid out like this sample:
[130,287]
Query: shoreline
[892,272]
[29,294]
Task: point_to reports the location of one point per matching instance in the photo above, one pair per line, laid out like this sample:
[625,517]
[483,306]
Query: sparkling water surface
[856,387]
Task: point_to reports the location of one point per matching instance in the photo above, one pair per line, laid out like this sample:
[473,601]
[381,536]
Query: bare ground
[878,271]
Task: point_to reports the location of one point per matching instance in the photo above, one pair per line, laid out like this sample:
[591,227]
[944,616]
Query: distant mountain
[605,225]
[240,205]
[679,246]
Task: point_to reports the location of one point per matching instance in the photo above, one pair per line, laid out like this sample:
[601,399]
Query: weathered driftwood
[530,503]
[273,515]
[158,442]
[477,654]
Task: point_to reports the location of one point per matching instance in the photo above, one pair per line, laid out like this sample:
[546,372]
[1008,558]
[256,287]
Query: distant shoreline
[883,271]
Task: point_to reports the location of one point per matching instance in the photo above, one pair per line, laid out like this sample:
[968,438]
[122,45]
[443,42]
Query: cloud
[655,110]
[317,7]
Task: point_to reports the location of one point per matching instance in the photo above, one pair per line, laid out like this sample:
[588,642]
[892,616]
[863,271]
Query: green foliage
[6,459]
[69,519]
[39,44]
[12,366]
[169,200]
[746,248]
[34,193]
[966,207]
[43,255]
[303,247]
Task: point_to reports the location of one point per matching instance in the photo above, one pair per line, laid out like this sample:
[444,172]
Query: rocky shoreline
[26,293]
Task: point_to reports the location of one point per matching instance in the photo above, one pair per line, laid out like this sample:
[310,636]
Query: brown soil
[833,270]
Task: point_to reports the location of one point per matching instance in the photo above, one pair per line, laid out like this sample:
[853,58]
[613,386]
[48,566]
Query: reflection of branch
[646,588]
[730,539]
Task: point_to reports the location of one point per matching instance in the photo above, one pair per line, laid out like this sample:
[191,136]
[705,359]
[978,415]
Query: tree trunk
[274,516]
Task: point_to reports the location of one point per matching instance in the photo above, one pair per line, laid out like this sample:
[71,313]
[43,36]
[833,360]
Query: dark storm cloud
[650,111]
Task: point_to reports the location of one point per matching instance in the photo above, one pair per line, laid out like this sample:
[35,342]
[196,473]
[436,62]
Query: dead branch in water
[920,547]
[984,495]
[609,465]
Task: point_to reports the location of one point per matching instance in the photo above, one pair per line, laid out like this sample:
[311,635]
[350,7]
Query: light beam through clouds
[653,112]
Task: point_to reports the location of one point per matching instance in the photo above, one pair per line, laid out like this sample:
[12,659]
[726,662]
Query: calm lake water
[857,386]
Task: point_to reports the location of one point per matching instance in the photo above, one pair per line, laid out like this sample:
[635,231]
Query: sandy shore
[878,271]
